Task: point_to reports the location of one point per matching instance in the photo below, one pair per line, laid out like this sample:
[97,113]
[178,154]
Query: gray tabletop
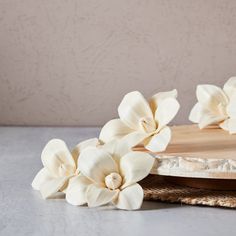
[23,212]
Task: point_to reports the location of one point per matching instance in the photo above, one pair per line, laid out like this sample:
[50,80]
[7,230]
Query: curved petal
[129,141]
[229,125]
[130,198]
[49,188]
[118,148]
[230,87]
[231,108]
[166,111]
[159,141]
[196,113]
[134,166]
[206,117]
[96,164]
[110,147]
[225,125]
[97,196]
[155,99]
[232,126]
[113,129]
[42,177]
[76,190]
[93,142]
[56,153]
[211,95]
[64,187]
[134,108]
[209,118]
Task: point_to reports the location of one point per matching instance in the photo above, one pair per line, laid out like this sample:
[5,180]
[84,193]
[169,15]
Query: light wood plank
[207,153]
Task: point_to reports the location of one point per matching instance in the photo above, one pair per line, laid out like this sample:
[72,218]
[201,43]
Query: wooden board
[203,183]
[195,153]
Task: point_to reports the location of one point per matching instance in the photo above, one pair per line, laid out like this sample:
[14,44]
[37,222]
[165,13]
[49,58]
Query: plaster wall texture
[71,62]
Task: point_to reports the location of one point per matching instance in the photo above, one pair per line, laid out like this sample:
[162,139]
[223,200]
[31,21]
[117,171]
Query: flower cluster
[59,166]
[106,171]
[143,122]
[93,175]
[216,106]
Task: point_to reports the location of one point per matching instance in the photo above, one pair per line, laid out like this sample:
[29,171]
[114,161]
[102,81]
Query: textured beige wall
[70,62]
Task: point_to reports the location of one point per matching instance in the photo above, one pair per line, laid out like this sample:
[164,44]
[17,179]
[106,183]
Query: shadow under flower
[152,205]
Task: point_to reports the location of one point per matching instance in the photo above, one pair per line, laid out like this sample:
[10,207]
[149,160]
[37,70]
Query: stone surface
[23,212]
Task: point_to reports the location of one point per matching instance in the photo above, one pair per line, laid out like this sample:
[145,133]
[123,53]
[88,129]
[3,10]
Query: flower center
[113,181]
[147,124]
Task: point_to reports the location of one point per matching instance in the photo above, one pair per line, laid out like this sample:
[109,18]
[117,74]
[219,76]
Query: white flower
[142,121]
[107,175]
[216,106]
[59,166]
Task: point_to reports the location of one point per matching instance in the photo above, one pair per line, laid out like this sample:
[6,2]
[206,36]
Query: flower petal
[155,99]
[159,141]
[232,126]
[225,125]
[211,95]
[129,141]
[76,191]
[49,188]
[42,176]
[230,87]
[110,147]
[229,125]
[133,108]
[166,111]
[96,164]
[231,108]
[205,117]
[97,196]
[208,118]
[134,166]
[93,142]
[130,198]
[118,148]
[196,113]
[56,153]
[113,129]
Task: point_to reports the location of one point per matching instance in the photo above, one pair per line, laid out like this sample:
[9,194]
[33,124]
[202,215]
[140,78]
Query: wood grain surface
[195,153]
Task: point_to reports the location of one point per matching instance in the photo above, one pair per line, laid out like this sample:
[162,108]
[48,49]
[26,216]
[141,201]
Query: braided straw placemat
[157,189]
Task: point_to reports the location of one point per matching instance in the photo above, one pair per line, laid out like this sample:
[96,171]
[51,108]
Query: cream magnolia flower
[216,106]
[109,176]
[143,121]
[59,166]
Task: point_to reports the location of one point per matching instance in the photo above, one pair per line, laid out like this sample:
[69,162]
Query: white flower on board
[216,106]
[143,122]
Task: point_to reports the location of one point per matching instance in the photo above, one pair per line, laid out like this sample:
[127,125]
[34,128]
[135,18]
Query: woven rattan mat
[155,188]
